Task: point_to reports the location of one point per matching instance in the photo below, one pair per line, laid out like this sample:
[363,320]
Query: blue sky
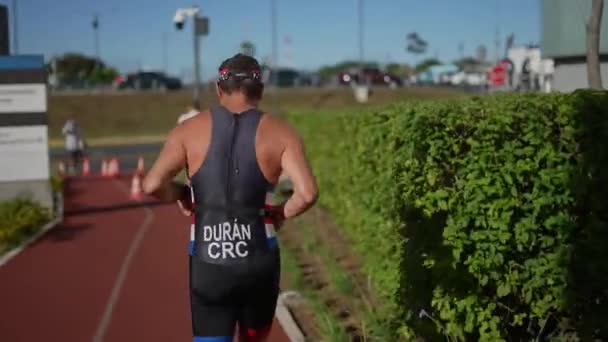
[321,31]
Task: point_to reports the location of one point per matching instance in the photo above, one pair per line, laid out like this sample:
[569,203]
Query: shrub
[479,218]
[20,219]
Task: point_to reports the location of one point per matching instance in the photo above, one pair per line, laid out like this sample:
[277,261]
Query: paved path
[112,271]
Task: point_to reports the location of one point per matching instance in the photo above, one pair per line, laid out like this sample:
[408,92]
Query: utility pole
[361,48]
[274,68]
[200,27]
[497,44]
[96,35]
[165,53]
[275,47]
[197,64]
[15,26]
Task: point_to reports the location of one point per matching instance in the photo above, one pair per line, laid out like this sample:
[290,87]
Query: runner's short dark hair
[241,73]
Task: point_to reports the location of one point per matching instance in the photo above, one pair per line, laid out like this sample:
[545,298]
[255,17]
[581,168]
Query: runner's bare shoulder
[280,129]
[196,122]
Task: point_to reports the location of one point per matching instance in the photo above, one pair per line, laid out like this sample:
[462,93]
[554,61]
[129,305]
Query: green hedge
[20,219]
[478,219]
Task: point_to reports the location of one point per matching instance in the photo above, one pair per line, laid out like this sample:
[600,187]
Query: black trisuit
[235,263]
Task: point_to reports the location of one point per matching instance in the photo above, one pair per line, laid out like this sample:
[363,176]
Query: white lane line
[104,323]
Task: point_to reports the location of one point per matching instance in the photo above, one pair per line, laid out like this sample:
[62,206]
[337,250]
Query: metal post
[273,18]
[361,52]
[361,47]
[274,75]
[165,53]
[15,36]
[96,35]
[197,74]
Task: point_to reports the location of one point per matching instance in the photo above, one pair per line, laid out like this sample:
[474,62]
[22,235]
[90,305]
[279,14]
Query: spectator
[191,111]
[74,144]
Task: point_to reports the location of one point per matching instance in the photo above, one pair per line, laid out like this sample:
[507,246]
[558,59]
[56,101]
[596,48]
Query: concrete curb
[286,320]
[50,225]
[14,252]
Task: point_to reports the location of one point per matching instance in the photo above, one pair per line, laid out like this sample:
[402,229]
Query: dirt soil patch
[348,309]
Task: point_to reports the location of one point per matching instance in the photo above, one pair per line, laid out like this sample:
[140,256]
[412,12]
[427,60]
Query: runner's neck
[236,106]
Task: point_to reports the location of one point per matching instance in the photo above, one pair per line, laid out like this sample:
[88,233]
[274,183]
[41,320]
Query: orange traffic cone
[116,167]
[136,190]
[86,167]
[61,168]
[113,170]
[111,167]
[140,165]
[104,168]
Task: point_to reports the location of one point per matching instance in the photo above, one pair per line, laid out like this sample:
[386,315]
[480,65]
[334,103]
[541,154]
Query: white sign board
[24,153]
[22,98]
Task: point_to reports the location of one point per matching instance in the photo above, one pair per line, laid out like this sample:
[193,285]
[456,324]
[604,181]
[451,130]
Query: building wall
[572,76]
[39,191]
[563,28]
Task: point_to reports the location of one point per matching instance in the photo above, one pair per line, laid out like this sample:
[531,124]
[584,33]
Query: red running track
[110,272]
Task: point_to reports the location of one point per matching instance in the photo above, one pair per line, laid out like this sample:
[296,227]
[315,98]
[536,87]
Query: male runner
[234,155]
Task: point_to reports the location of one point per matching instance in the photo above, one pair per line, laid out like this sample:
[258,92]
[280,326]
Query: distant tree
[594,76]
[103,75]
[248,48]
[398,69]
[426,64]
[415,44]
[75,67]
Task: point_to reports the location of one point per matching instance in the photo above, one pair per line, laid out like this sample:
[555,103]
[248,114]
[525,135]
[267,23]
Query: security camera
[179,20]
[182,14]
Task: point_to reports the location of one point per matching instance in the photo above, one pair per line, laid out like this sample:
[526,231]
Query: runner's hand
[278,216]
[186,204]
[186,207]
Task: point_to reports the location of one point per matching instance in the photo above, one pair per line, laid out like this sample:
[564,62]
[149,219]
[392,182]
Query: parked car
[288,77]
[145,80]
[372,76]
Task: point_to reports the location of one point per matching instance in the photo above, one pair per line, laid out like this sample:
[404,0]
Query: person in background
[191,111]
[73,142]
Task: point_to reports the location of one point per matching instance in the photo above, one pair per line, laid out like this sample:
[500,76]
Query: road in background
[126,154]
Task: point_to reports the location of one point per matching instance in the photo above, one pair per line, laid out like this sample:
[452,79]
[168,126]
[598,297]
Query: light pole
[197,64]
[361,47]
[274,71]
[96,35]
[200,27]
[361,51]
[275,48]
[165,53]
[15,36]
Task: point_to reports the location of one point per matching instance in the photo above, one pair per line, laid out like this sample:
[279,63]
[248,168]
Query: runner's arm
[296,166]
[159,180]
